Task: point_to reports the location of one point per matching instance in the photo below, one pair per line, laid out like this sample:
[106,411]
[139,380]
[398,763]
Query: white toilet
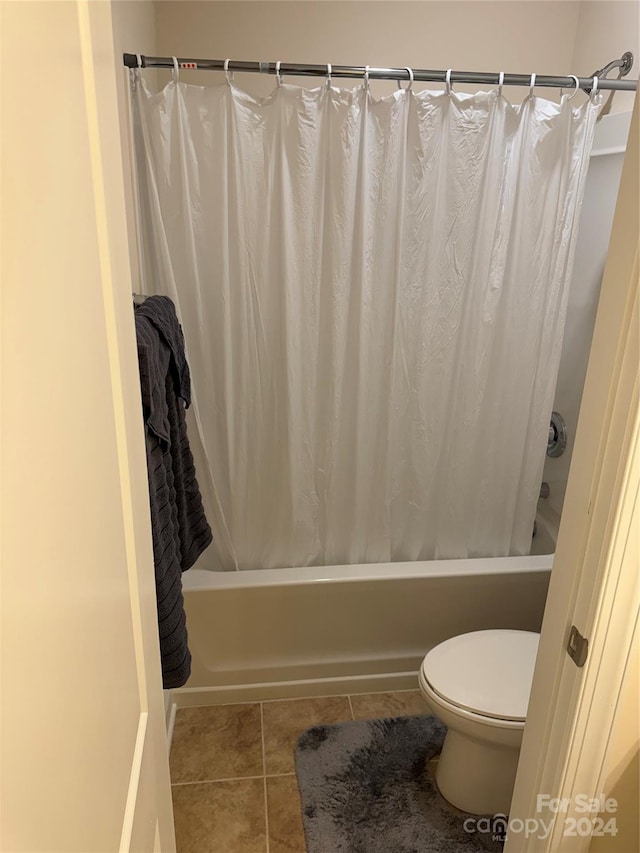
[478,684]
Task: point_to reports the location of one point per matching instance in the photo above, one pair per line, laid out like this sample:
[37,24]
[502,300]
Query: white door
[595,583]
[84,753]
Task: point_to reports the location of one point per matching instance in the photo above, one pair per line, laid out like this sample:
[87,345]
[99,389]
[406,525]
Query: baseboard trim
[188,697]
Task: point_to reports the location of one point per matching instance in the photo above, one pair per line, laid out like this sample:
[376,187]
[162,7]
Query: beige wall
[606,29]
[487,36]
[133,23]
[134,31]
[538,35]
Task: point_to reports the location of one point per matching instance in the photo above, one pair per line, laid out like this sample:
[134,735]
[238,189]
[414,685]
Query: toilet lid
[485,672]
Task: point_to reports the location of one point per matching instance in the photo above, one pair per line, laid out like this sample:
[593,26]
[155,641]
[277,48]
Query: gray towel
[179,526]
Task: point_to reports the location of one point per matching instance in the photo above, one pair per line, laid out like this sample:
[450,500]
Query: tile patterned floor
[234,785]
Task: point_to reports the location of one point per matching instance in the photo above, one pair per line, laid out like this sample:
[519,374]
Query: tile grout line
[264,757]
[264,778]
[227,779]
[353,716]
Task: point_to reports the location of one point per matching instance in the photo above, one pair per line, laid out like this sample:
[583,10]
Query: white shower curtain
[373,295]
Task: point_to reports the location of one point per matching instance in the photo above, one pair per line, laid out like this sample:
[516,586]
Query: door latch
[577,647]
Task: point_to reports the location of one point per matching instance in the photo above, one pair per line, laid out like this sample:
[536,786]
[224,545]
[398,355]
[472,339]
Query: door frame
[594,583]
[147,822]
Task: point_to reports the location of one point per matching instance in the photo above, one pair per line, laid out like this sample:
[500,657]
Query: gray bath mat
[365,787]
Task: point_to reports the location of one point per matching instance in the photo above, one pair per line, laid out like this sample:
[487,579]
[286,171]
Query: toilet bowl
[478,684]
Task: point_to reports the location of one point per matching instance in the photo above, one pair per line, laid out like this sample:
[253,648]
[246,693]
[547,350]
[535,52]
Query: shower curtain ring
[228,74]
[575,89]
[500,83]
[447,80]
[366,77]
[329,69]
[278,77]
[532,85]
[595,90]
[410,76]
[176,70]
[134,73]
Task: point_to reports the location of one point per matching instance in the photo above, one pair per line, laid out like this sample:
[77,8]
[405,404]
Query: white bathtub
[347,629]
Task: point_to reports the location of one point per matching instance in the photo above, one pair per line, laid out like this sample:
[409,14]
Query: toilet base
[477,777]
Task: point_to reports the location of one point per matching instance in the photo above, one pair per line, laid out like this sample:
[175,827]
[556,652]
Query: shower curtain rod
[133,60]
